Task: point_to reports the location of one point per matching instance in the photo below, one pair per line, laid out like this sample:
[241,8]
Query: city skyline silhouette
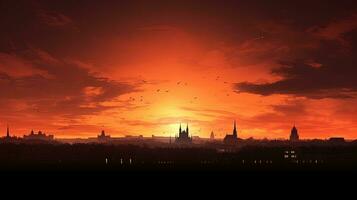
[140,68]
[172,85]
[182,136]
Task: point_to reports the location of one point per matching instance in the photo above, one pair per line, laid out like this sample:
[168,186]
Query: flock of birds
[179,83]
[141,98]
[260,37]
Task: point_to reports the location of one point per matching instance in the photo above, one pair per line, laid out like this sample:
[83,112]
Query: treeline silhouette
[122,158]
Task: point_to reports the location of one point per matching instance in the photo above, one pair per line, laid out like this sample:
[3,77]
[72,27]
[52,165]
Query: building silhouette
[39,136]
[103,137]
[294,135]
[7,132]
[183,136]
[231,139]
[336,140]
[211,136]
[8,137]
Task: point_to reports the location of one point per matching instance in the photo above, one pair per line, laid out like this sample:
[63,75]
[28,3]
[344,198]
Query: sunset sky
[73,68]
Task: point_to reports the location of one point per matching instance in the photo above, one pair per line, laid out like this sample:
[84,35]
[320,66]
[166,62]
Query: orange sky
[134,68]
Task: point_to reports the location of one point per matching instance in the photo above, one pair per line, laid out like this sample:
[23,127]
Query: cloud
[54,19]
[68,90]
[209,112]
[323,71]
[332,80]
[17,66]
[291,108]
[158,28]
[279,116]
[335,29]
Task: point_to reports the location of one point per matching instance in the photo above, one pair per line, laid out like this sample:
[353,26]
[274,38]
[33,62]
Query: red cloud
[17,66]
[335,29]
[54,19]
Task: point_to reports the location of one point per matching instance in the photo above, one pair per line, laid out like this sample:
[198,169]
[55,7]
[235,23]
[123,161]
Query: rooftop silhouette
[232,139]
[183,136]
[38,151]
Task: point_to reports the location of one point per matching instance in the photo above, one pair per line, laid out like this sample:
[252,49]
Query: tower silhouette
[187,129]
[212,136]
[232,139]
[183,136]
[8,131]
[235,130]
[294,135]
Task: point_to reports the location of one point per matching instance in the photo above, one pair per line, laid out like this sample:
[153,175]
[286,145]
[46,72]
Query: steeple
[294,135]
[183,136]
[212,136]
[7,131]
[235,129]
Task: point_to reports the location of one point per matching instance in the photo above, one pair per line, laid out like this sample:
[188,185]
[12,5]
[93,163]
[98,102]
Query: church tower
[8,131]
[232,139]
[187,130]
[183,136]
[211,136]
[294,135]
[235,130]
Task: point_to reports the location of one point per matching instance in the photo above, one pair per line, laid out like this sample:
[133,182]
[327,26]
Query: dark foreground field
[129,159]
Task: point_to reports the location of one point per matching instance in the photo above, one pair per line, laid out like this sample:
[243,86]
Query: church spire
[235,129]
[180,129]
[187,129]
[294,135]
[212,136]
[8,131]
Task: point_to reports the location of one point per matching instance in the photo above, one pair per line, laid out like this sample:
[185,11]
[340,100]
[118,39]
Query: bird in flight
[261,36]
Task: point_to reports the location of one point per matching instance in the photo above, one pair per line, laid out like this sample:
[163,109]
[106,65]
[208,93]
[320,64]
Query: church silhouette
[183,136]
